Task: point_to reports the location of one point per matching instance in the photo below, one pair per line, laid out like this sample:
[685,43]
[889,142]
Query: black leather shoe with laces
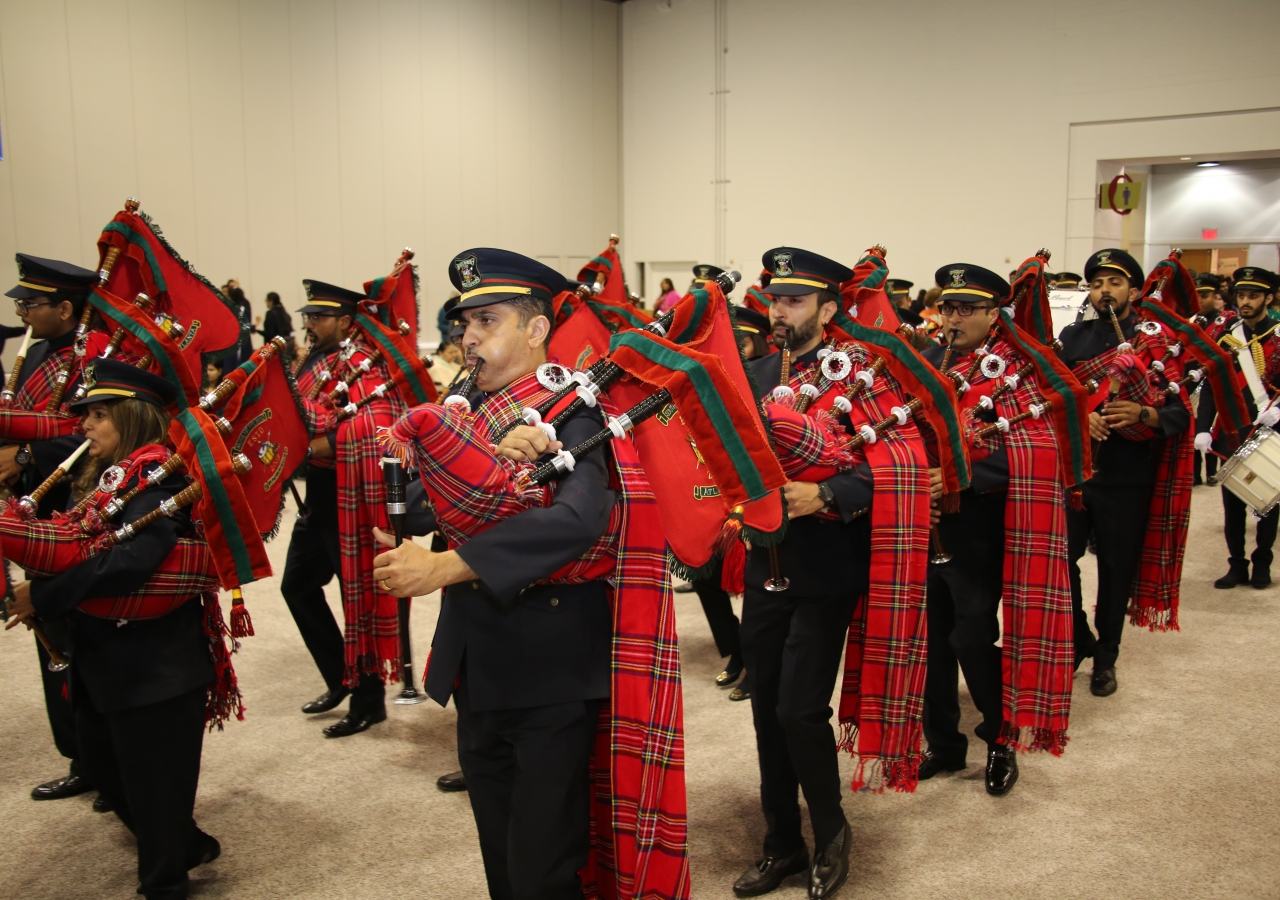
[769,873]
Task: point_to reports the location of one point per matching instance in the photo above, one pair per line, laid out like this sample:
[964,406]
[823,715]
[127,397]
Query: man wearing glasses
[49,298]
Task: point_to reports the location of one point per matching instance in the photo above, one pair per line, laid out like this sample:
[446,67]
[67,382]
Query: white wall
[943,130]
[276,140]
[1240,199]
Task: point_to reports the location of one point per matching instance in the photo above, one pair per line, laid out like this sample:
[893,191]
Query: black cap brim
[18,292]
[481,300]
[791,290]
[326,310]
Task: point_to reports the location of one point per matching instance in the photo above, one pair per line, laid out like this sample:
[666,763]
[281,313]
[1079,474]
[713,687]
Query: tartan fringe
[1027,739]
[1154,619]
[875,774]
[223,699]
[950,502]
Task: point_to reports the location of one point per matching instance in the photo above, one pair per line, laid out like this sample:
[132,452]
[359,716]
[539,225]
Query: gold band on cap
[950,291]
[37,287]
[1118,268]
[325,303]
[116,392]
[496,289]
[1239,284]
[822,285]
[751,328]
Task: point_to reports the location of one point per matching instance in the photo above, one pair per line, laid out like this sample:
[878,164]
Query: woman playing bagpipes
[1025,422]
[556,636]
[148,668]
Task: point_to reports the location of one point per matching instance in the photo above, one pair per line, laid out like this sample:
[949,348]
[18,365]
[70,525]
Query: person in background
[278,324]
[1208,286]
[667,296]
[212,372]
[929,311]
[444,319]
[917,305]
[243,348]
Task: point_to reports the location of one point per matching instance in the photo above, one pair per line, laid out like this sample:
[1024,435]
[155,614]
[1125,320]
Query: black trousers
[146,761]
[1210,464]
[1117,516]
[1235,511]
[963,612]
[792,647]
[314,560]
[528,780]
[62,719]
[719,610]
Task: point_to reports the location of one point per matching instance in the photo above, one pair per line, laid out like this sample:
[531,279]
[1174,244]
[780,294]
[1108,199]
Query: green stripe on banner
[158,352]
[701,299]
[636,321]
[1070,409]
[254,395]
[138,240]
[925,374]
[876,278]
[1181,328]
[710,399]
[217,492]
[375,289]
[391,350]
[604,262]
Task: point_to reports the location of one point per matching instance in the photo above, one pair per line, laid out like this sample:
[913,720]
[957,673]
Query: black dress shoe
[1261,576]
[830,866]
[454,781]
[933,764]
[204,849]
[355,722]
[739,694]
[1002,770]
[1237,575]
[766,875]
[68,786]
[102,805]
[729,675]
[326,701]
[683,588]
[1103,683]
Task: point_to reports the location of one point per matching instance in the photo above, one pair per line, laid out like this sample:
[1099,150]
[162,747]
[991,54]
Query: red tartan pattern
[319,414]
[372,628]
[882,694]
[639,834]
[809,448]
[1037,653]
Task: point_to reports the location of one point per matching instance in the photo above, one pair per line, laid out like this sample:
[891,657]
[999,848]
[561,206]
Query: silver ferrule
[114,507]
[560,465]
[27,506]
[124,533]
[168,506]
[397,509]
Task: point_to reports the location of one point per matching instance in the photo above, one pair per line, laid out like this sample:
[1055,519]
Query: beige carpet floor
[1166,791]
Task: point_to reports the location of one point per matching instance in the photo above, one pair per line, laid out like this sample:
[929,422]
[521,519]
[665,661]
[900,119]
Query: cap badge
[704,271]
[90,378]
[1104,257]
[468,272]
[957,278]
[1248,274]
[782,264]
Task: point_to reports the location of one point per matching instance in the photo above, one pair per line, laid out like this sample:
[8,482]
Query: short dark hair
[825,296]
[529,308]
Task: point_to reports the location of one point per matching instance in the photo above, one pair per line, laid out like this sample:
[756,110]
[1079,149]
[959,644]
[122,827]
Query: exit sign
[1209,234]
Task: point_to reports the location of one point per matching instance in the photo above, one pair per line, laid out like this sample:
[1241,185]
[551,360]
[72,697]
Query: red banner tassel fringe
[241,624]
[1153,619]
[224,697]
[1075,498]
[875,775]
[1031,740]
[733,551]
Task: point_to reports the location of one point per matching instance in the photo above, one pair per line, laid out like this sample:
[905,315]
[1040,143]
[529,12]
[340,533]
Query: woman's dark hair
[236,295]
[667,285]
[138,423]
[273,299]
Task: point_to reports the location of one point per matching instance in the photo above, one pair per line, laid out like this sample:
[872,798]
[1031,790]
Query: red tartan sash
[882,695]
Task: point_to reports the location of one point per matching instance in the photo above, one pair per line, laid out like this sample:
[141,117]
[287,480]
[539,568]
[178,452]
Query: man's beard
[1120,306]
[799,335]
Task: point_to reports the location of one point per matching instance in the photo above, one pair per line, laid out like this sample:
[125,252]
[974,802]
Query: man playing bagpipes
[801,595]
[50,297]
[1008,539]
[149,666]
[556,635]
[1136,464]
[1253,338]
[338,381]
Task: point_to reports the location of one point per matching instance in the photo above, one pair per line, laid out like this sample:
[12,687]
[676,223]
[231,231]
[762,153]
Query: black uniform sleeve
[1174,417]
[1207,410]
[122,569]
[533,544]
[420,520]
[853,490]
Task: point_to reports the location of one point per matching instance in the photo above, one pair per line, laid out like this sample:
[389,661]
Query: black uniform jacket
[123,666]
[518,644]
[821,557]
[1120,462]
[991,473]
[48,455]
[1208,408]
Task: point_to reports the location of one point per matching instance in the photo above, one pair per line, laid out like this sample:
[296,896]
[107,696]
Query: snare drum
[1253,472]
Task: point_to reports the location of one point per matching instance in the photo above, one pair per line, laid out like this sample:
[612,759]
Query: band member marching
[1254,339]
[344,501]
[1136,460]
[1007,540]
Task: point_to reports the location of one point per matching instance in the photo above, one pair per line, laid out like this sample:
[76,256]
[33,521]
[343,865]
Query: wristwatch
[826,495]
[23,456]
[1144,415]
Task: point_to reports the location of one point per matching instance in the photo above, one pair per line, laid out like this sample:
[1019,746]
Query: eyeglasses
[312,317]
[963,310]
[27,305]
